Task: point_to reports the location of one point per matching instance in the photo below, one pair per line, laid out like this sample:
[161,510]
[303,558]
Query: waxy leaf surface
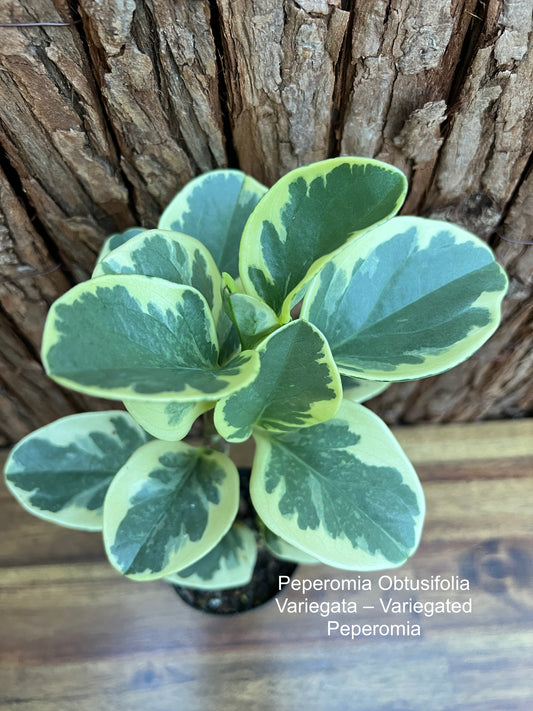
[343,491]
[253,319]
[306,217]
[214,208]
[410,299]
[168,255]
[229,564]
[61,472]
[116,240]
[180,259]
[137,338]
[298,385]
[169,420]
[284,550]
[167,507]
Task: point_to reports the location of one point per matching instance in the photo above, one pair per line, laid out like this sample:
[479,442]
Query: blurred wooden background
[104,116]
[76,636]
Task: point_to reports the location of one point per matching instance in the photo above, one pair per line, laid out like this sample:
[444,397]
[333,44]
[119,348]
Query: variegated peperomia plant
[197,319]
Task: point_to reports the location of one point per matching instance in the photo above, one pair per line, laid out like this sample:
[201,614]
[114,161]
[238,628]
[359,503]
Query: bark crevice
[223,92]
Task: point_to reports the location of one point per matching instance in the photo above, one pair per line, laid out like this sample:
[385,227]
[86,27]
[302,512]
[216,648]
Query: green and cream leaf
[229,564]
[253,319]
[115,240]
[133,337]
[309,215]
[170,421]
[61,472]
[412,298]
[359,390]
[167,508]
[298,386]
[214,208]
[168,255]
[285,551]
[342,491]
[180,259]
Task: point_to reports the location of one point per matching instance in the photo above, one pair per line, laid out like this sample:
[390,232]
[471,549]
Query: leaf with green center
[229,564]
[168,506]
[284,550]
[61,472]
[168,255]
[309,215]
[180,259]
[253,319]
[116,240]
[214,208]
[298,385]
[170,420]
[412,298]
[358,390]
[137,338]
[342,491]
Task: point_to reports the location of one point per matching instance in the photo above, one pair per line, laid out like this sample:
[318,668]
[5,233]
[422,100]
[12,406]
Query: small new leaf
[253,319]
[229,564]
[285,551]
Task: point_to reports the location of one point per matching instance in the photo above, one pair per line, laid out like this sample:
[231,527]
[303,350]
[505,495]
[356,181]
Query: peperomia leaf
[253,319]
[343,491]
[136,338]
[167,507]
[61,472]
[306,217]
[214,208]
[361,390]
[298,385]
[229,564]
[412,298]
[180,259]
[115,241]
[169,420]
[284,550]
[168,255]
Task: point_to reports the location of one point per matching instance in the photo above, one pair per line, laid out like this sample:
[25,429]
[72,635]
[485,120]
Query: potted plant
[264,314]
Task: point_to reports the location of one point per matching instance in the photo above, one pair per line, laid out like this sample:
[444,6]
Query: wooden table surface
[75,636]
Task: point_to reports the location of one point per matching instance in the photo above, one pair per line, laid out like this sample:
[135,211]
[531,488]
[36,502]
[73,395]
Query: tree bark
[105,116]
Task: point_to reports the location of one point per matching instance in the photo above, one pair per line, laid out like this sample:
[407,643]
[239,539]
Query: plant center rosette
[196,316]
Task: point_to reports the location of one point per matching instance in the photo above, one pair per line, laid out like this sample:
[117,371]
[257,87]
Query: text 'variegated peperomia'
[196,319]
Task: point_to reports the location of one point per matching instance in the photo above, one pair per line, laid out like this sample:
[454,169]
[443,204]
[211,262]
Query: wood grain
[77,636]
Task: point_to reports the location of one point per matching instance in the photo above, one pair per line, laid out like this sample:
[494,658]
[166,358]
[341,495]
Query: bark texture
[104,117]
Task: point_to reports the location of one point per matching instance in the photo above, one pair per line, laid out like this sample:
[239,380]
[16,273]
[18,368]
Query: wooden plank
[76,635]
